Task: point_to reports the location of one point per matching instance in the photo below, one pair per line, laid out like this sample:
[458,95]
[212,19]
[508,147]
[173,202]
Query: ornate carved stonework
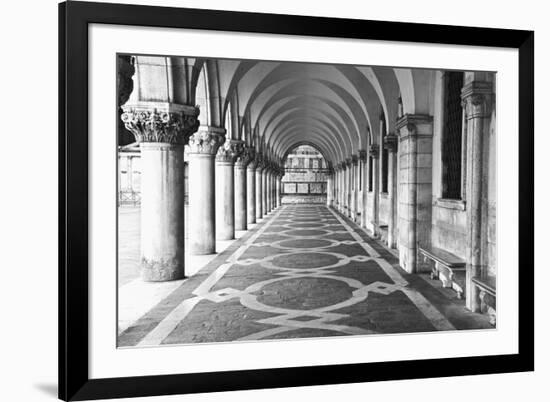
[348,162]
[374,151]
[253,164]
[246,157]
[390,142]
[229,151]
[206,141]
[477,99]
[259,161]
[160,126]
[354,160]
[415,125]
[362,155]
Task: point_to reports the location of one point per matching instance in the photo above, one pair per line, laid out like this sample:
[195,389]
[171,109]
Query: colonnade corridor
[303,271]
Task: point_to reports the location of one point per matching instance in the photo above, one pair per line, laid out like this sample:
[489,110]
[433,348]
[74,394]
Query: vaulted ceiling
[275,106]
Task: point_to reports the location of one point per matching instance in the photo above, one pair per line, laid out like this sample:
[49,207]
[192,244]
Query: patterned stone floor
[304,272]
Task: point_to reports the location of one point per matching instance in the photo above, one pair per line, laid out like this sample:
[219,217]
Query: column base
[161,271]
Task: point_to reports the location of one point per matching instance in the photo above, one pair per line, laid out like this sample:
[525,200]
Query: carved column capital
[374,151]
[390,142]
[172,124]
[229,151]
[362,155]
[347,162]
[419,125]
[354,160]
[253,164]
[260,162]
[207,140]
[477,98]
[246,157]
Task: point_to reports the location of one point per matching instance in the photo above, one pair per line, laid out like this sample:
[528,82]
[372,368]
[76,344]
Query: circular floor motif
[304,260]
[307,219]
[304,293]
[306,232]
[305,243]
[306,225]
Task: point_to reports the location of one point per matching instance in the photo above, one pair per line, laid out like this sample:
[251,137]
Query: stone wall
[449,227]
[370,212]
[303,199]
[384,209]
[491,214]
[305,172]
[449,217]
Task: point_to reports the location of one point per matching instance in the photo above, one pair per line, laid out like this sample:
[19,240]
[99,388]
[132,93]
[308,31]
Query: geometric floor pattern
[305,272]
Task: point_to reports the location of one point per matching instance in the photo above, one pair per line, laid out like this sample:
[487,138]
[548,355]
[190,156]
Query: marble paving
[305,271]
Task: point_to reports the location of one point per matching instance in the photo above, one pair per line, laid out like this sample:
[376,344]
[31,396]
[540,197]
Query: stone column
[341,187]
[162,135]
[390,143]
[348,187]
[415,201]
[278,179]
[364,185]
[477,97]
[271,198]
[251,191]
[203,147]
[335,187]
[374,221]
[329,188]
[241,201]
[225,188]
[268,194]
[264,191]
[274,189]
[259,190]
[354,189]
[344,187]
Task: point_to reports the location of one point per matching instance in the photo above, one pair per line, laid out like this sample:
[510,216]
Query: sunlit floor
[303,271]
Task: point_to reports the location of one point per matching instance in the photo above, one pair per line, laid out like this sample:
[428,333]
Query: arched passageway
[245,170]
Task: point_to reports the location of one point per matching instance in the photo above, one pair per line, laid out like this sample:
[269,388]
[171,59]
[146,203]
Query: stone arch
[416,89]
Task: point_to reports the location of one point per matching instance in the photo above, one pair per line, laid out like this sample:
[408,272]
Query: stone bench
[486,293]
[448,268]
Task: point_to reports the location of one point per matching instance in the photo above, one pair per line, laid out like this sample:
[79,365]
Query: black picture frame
[74,18]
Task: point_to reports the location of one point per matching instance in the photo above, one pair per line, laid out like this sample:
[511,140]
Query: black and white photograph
[264,200]
[245,201]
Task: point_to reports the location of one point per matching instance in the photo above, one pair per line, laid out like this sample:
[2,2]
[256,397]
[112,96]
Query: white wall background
[28,201]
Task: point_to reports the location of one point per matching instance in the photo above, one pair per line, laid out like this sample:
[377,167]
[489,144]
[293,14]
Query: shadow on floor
[47,389]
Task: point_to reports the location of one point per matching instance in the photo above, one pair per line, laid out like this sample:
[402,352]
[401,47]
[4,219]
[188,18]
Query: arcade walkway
[305,271]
